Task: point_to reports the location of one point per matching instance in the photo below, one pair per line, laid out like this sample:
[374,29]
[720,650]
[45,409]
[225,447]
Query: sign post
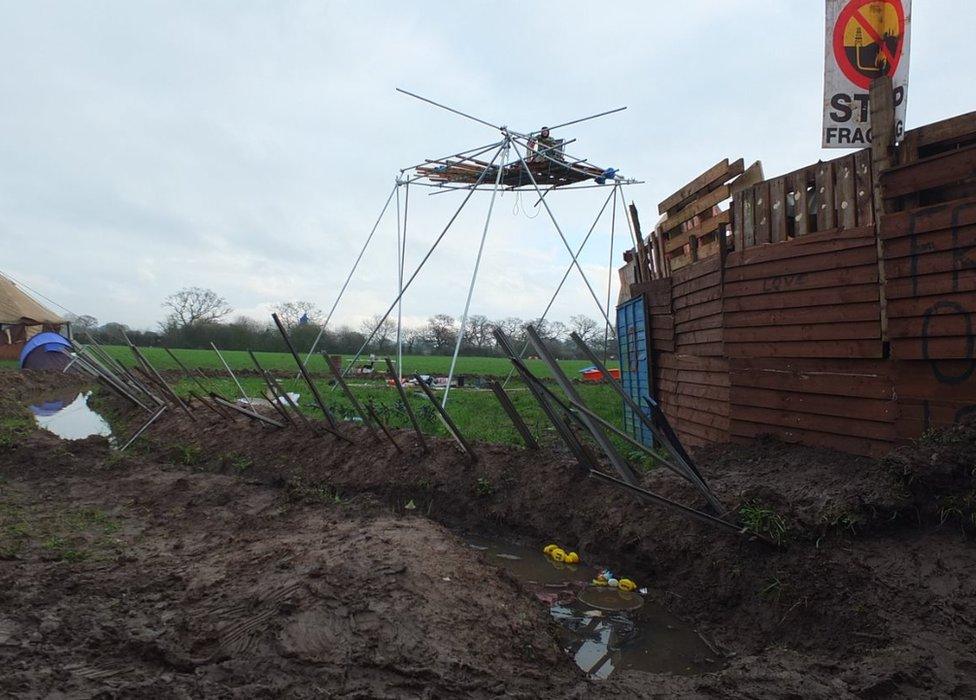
[865,39]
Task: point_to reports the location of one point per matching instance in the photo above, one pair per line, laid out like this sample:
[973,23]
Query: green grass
[476,411]
[423,364]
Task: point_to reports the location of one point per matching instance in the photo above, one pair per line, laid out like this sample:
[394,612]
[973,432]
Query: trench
[603,629]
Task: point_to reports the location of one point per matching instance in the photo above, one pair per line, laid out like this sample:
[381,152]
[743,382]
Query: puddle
[604,630]
[70,419]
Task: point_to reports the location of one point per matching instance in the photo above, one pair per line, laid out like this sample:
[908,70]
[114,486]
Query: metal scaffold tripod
[518,161]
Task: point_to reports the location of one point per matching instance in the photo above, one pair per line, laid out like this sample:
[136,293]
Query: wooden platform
[546,173]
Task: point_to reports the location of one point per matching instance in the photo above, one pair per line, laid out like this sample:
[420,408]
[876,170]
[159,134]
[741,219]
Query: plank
[863,311]
[801,225]
[845,254]
[925,219]
[753,175]
[962,238]
[827,348]
[929,285]
[704,228]
[762,225]
[802,298]
[845,443]
[824,187]
[811,244]
[777,210]
[738,240]
[696,298]
[748,218]
[700,324]
[849,407]
[703,268]
[947,262]
[845,202]
[697,207]
[928,173]
[961,127]
[916,379]
[863,187]
[875,430]
[938,325]
[862,274]
[705,309]
[696,284]
[920,305]
[879,388]
[718,173]
[941,348]
[858,330]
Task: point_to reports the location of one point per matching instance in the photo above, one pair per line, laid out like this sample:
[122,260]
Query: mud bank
[870,594]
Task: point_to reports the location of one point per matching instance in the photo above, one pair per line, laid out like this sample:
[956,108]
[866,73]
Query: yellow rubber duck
[599,581]
[625,584]
[558,554]
[572,558]
[547,550]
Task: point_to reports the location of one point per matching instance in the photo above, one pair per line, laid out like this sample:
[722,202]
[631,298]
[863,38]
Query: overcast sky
[248,146]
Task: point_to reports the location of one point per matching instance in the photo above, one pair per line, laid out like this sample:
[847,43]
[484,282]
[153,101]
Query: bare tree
[478,333]
[384,334]
[85,322]
[194,305]
[441,332]
[587,329]
[291,313]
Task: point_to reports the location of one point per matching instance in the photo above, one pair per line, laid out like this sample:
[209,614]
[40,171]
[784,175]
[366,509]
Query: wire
[37,293]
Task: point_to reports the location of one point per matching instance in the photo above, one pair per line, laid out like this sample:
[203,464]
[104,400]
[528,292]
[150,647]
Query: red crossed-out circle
[852,11]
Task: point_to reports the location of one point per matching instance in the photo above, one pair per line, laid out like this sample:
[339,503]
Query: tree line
[196,317]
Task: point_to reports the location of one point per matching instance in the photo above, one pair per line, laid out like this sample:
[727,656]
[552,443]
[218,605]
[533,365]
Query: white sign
[866,39]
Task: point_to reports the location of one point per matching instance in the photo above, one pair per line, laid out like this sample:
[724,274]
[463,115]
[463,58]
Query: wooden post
[882,157]
[448,422]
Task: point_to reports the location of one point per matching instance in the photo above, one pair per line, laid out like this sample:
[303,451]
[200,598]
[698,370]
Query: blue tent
[45,351]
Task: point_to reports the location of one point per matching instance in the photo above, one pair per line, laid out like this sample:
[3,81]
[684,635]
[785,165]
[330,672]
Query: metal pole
[552,299]
[231,373]
[399,259]
[474,274]
[613,230]
[619,463]
[162,382]
[406,405]
[275,403]
[345,284]
[337,374]
[334,425]
[661,500]
[560,232]
[583,119]
[449,109]
[420,266]
[141,430]
[376,419]
[513,415]
[448,422]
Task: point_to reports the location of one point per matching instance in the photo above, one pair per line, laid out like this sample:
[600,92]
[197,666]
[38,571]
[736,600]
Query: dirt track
[219,562]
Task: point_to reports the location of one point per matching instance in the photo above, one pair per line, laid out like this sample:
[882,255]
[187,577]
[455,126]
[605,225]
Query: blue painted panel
[634,365]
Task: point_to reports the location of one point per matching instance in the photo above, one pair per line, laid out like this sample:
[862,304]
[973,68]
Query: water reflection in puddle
[604,630]
[70,419]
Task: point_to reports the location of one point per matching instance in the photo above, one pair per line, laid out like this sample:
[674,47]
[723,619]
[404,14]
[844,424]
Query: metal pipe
[560,232]
[616,460]
[355,265]
[337,374]
[474,276]
[406,404]
[449,109]
[583,119]
[232,376]
[376,419]
[552,299]
[141,430]
[419,268]
[448,422]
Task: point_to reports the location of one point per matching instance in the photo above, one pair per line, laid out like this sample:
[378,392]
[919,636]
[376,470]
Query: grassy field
[423,364]
[476,411]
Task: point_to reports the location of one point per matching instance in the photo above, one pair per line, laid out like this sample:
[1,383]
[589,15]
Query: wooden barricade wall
[828,324]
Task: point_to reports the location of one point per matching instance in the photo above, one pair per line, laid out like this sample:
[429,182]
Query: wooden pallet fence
[812,297]
[820,197]
[694,214]
[694,394]
[845,404]
[697,301]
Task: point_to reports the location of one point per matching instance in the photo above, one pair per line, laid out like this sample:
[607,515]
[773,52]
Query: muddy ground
[232,560]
